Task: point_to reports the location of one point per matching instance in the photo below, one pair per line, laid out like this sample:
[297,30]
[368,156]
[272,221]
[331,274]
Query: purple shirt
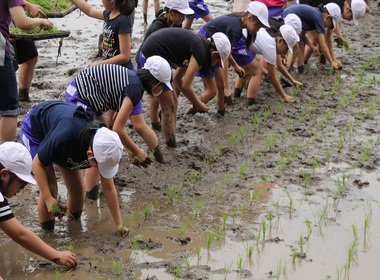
[5,16]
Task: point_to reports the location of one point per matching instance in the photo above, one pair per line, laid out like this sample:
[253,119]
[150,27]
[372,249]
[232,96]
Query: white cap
[160,69]
[17,159]
[290,36]
[294,21]
[259,10]
[334,11]
[358,8]
[181,6]
[223,46]
[107,149]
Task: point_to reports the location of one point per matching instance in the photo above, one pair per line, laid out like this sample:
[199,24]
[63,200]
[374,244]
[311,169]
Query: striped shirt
[104,86]
[5,211]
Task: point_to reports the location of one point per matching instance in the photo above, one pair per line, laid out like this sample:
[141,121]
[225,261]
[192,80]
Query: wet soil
[285,191]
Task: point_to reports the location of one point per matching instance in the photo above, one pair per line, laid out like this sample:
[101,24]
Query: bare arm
[88,9]
[119,128]
[326,51]
[22,21]
[34,10]
[285,72]
[30,241]
[124,56]
[110,194]
[276,83]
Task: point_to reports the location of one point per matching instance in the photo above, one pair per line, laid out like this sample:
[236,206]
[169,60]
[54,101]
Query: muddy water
[230,169]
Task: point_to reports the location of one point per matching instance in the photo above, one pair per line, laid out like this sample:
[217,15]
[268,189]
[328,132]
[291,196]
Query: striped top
[5,211]
[104,86]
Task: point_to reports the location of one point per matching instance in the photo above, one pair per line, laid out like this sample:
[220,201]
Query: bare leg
[145,11]
[146,133]
[168,102]
[210,89]
[153,110]
[74,182]
[25,77]
[8,126]
[255,81]
[43,213]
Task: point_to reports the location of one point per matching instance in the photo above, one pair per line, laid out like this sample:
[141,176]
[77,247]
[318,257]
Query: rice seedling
[243,168]
[263,228]
[346,45]
[227,178]
[226,270]
[209,239]
[258,237]
[181,175]
[243,207]
[197,206]
[186,260]
[270,219]
[58,274]
[181,229]
[177,194]
[217,191]
[365,154]
[290,198]
[194,176]
[210,158]
[171,190]
[306,177]
[267,113]
[270,142]
[239,262]
[134,219]
[323,213]
[294,257]
[146,211]
[290,124]
[249,249]
[224,221]
[340,144]
[256,121]
[309,228]
[367,224]
[277,209]
[283,133]
[331,70]
[234,137]
[71,246]
[177,271]
[198,251]
[257,158]
[234,214]
[219,234]
[300,244]
[116,267]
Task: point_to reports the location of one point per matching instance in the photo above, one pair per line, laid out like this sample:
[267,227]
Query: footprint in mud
[180,240]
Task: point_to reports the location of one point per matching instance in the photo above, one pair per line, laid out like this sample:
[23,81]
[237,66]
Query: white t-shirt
[265,45]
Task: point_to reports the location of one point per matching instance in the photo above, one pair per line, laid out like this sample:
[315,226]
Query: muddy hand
[66,258]
[122,231]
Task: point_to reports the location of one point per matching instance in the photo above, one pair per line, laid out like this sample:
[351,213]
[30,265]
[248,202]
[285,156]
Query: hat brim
[26,178]
[186,11]
[169,85]
[108,173]
[264,21]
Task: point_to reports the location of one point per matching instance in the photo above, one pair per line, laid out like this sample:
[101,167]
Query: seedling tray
[36,37]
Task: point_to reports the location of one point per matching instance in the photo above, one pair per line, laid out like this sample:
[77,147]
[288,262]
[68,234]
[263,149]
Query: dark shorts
[26,135]
[241,54]
[25,50]
[200,9]
[72,96]
[8,89]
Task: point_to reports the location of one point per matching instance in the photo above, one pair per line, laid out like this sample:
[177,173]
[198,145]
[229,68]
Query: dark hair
[86,135]
[323,9]
[206,65]
[147,79]
[273,32]
[126,7]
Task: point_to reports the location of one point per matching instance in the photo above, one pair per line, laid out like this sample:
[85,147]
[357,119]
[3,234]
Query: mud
[271,191]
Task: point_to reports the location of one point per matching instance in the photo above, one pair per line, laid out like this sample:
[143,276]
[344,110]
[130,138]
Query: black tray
[61,14]
[35,37]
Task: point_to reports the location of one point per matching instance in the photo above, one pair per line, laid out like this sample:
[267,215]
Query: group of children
[88,130]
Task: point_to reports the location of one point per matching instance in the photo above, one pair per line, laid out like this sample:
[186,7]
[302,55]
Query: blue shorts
[275,11]
[241,54]
[142,60]
[26,135]
[8,89]
[72,96]
[199,7]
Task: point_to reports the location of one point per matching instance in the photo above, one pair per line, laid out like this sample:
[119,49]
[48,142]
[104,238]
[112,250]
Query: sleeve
[134,91]
[125,26]
[5,211]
